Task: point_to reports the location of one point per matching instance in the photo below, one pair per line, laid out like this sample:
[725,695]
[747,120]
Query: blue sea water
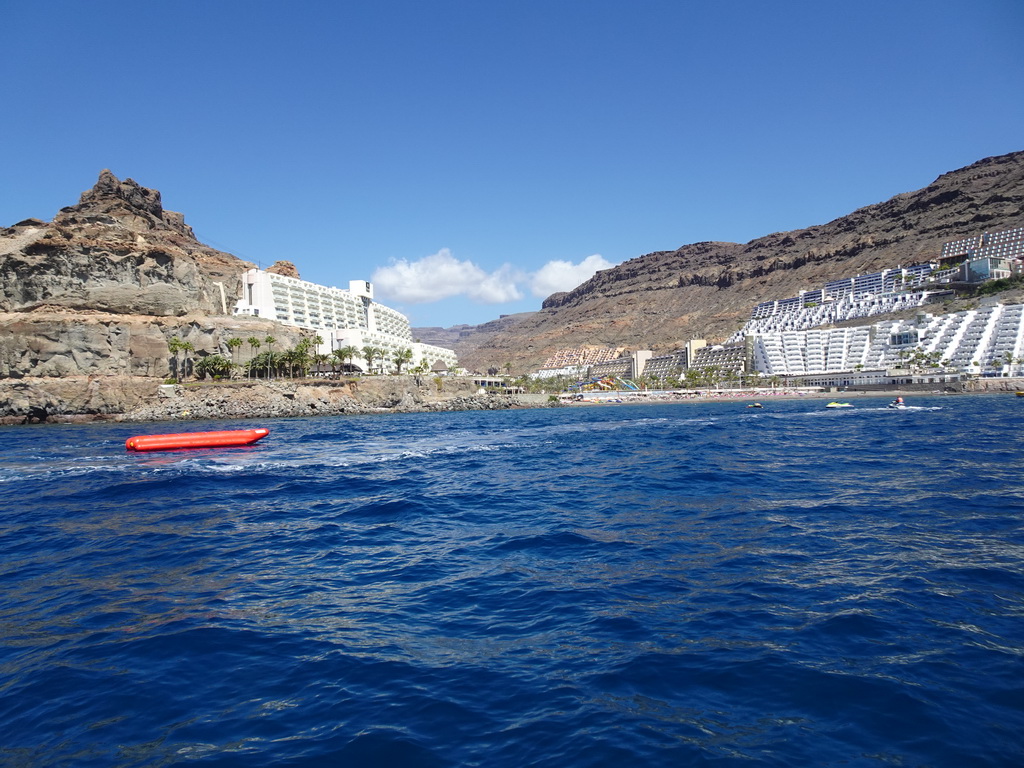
[657,585]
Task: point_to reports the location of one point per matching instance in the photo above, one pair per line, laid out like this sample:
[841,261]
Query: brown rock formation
[102,288]
[116,251]
[285,268]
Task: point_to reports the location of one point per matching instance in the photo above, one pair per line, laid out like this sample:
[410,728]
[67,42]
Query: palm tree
[266,362]
[214,366]
[320,359]
[270,342]
[252,366]
[370,354]
[291,358]
[233,344]
[302,358]
[711,376]
[272,361]
[693,378]
[348,353]
[174,347]
[1008,360]
[400,358]
[254,345]
[303,361]
[338,358]
[186,347]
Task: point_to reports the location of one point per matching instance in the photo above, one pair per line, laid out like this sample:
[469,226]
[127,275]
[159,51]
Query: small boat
[755,405]
[1020,393]
[834,404]
[172,442]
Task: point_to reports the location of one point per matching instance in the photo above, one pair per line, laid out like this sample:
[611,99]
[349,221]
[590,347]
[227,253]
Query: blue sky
[471,157]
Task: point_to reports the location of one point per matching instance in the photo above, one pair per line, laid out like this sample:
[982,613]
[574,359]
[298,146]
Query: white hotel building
[341,317]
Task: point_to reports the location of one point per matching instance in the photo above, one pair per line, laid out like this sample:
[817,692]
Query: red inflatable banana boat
[195,440]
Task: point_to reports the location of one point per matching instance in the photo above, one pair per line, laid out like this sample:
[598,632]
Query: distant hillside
[706,290]
[462,335]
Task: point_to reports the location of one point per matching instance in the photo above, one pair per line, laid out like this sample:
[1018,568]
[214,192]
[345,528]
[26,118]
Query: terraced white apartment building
[984,341]
[786,337]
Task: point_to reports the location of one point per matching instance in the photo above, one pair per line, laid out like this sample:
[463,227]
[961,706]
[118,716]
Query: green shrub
[996,286]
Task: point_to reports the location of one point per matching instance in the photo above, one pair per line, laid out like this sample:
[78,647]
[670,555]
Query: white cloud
[442,276]
[499,287]
[557,276]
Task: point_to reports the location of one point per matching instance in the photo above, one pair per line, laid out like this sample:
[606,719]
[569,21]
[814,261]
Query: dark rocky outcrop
[102,288]
[118,251]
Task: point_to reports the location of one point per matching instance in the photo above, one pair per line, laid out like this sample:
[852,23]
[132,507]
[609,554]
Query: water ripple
[659,585]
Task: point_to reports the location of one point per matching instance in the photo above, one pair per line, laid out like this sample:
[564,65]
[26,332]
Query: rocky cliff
[117,251]
[706,290]
[104,286]
[49,342]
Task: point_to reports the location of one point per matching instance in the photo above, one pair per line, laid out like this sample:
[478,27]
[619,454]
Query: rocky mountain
[285,268]
[117,251]
[706,290]
[103,287]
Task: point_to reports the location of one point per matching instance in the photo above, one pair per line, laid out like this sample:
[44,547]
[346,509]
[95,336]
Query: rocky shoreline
[139,399]
[79,399]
